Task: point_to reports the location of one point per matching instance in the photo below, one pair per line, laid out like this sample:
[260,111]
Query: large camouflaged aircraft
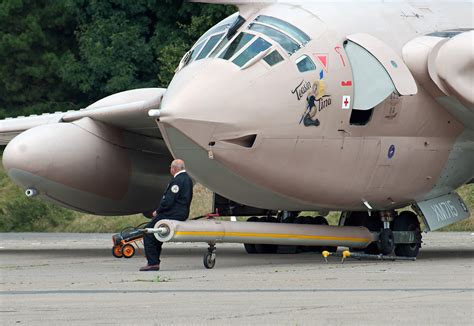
[363,107]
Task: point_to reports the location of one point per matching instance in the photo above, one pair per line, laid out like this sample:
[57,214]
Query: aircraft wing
[126,110]
[12,127]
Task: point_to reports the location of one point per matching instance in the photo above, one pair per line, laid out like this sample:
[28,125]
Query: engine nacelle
[89,166]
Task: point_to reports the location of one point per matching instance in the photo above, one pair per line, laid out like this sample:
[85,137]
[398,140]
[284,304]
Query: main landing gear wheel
[266,248]
[117,252]
[407,221]
[261,248]
[128,251]
[386,242]
[250,247]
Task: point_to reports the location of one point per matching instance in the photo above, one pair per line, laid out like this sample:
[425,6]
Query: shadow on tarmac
[425,253]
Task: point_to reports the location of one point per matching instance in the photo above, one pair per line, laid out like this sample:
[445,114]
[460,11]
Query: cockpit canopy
[268,38]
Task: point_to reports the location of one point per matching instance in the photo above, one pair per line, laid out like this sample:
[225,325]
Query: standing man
[174,205]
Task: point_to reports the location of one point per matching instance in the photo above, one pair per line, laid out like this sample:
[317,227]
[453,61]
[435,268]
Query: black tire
[128,251]
[249,247]
[209,263]
[265,248]
[252,219]
[407,221]
[117,252]
[387,242]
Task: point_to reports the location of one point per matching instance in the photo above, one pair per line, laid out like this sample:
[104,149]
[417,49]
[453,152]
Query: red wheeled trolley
[124,243]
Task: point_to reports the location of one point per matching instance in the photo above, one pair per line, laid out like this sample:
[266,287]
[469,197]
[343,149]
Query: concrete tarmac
[73,279]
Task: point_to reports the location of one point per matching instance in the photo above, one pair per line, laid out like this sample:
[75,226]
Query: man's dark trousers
[153,246]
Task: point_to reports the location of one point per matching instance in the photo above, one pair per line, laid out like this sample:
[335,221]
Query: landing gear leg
[209,258]
[386,240]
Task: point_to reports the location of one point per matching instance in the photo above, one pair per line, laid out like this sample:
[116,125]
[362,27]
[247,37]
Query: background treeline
[65,55]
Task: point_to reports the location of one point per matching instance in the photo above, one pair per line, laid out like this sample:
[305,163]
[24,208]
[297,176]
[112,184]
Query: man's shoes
[150,268]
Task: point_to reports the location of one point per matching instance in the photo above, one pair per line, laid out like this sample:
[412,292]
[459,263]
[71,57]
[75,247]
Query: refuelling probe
[215,231]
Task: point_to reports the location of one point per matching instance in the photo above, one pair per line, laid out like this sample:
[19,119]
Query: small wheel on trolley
[117,251]
[209,260]
[128,251]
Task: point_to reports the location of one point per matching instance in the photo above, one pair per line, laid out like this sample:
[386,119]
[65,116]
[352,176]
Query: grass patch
[467,193]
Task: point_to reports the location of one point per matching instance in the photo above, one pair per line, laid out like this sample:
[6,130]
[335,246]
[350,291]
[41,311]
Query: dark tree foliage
[61,55]
[34,35]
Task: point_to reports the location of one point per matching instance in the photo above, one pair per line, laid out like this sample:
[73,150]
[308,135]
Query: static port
[31,192]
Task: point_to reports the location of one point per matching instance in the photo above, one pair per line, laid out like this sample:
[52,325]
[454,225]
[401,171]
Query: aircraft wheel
[250,247]
[209,261]
[128,251]
[407,221]
[117,252]
[386,241]
[265,248]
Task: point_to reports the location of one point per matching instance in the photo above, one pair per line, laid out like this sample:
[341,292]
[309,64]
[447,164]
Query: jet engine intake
[89,166]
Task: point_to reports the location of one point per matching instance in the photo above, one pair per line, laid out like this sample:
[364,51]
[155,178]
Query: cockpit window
[251,46]
[219,47]
[291,30]
[236,45]
[258,46]
[273,58]
[304,63]
[209,40]
[195,51]
[221,26]
[211,43]
[285,41]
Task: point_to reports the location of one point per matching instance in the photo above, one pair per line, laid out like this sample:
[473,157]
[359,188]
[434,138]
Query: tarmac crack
[279,312]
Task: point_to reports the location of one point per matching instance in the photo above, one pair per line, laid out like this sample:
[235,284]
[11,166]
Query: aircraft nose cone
[201,100]
[20,153]
[26,154]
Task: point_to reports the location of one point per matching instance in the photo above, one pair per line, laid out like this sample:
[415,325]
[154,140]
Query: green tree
[125,45]
[64,55]
[34,35]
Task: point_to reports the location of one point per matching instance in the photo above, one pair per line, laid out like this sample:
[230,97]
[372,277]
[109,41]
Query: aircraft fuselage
[277,137]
